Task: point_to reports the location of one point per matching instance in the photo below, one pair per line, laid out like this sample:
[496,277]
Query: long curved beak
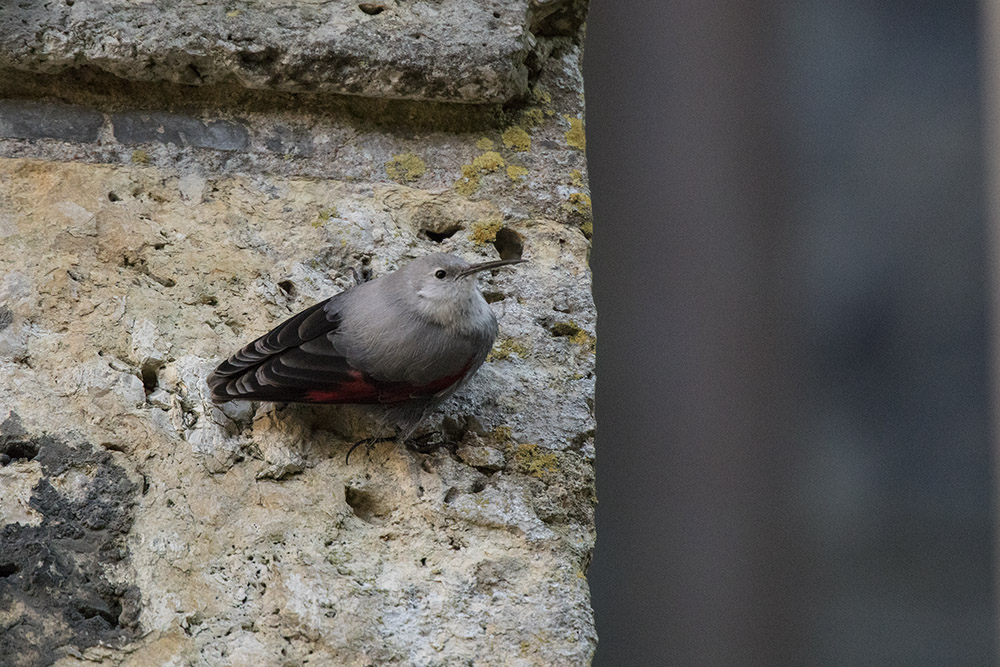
[476,268]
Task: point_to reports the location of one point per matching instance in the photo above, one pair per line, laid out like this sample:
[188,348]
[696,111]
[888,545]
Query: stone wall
[173,183]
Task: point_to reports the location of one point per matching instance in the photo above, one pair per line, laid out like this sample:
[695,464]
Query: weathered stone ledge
[470,51]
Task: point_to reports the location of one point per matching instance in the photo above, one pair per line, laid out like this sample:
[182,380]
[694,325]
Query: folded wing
[298,361]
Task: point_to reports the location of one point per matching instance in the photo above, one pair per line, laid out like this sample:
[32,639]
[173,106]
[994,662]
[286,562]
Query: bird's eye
[440,274]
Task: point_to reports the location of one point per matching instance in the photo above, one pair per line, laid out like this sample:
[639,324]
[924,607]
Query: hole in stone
[288,287]
[438,237]
[19,449]
[113,196]
[496,15]
[109,612]
[150,372]
[478,485]
[493,297]
[509,244]
[560,329]
[371,8]
[8,569]
[450,495]
[423,561]
[362,503]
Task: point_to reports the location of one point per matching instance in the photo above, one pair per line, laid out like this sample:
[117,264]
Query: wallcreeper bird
[406,340]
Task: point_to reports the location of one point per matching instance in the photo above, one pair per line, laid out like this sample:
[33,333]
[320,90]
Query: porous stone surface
[147,230]
[454,50]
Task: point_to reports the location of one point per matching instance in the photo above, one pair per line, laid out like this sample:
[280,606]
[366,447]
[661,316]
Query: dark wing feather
[297,361]
[288,362]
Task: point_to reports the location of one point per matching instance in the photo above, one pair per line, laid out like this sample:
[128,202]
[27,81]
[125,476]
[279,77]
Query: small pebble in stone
[4,459]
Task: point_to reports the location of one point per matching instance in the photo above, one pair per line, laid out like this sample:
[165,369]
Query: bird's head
[443,288]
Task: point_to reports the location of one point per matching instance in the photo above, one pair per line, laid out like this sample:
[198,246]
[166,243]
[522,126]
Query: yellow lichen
[506,347]
[516,173]
[324,216]
[488,162]
[485,231]
[500,434]
[517,139]
[531,117]
[469,181]
[541,96]
[579,203]
[531,460]
[575,136]
[576,178]
[140,156]
[583,339]
[484,144]
[574,334]
[569,328]
[485,163]
[405,167]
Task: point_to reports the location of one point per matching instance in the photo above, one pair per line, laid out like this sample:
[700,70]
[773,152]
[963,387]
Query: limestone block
[452,50]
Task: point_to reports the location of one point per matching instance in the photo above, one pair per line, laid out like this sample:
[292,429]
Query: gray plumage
[407,340]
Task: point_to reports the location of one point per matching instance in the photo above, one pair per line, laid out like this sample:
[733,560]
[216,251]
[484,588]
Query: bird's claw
[368,443]
[425,443]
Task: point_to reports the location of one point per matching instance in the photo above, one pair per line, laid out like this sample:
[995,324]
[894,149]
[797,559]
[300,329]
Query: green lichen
[516,139]
[575,136]
[588,229]
[532,460]
[140,156]
[516,172]
[405,168]
[485,231]
[506,347]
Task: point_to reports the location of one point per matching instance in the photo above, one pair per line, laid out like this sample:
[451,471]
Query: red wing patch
[361,389]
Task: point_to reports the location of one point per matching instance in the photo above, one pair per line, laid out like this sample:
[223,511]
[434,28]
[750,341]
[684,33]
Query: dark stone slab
[23,119]
[167,128]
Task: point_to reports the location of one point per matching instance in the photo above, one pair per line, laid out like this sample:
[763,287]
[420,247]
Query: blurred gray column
[991,132]
[697,560]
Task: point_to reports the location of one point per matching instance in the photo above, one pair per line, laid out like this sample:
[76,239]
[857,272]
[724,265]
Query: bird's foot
[368,443]
[425,443]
